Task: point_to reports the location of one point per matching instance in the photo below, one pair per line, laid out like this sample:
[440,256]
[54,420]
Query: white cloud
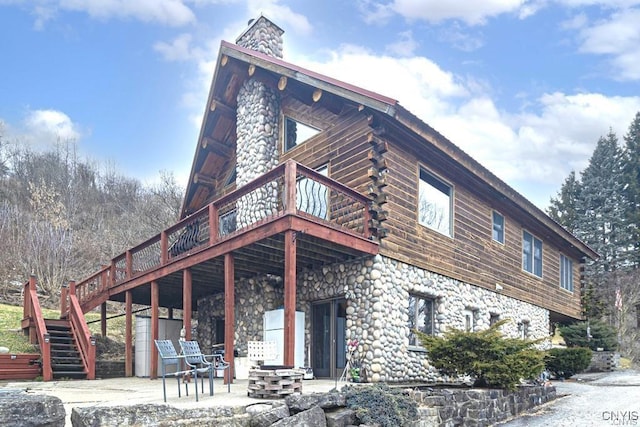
[179,49]
[283,15]
[533,150]
[618,37]
[52,122]
[165,12]
[471,12]
[406,46]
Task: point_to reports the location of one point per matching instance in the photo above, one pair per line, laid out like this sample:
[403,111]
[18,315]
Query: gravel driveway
[601,399]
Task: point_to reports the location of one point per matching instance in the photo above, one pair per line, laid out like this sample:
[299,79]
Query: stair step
[69,374]
[57,367]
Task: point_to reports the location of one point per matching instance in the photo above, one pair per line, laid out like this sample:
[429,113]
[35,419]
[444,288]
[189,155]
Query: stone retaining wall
[604,361]
[448,407]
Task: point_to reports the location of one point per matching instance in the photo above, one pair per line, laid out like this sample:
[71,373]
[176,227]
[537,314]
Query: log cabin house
[311,195]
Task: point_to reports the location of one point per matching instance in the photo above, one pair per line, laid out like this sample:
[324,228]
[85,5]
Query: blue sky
[526,87]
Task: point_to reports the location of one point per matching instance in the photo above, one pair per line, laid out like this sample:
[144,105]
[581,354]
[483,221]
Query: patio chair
[169,357]
[197,364]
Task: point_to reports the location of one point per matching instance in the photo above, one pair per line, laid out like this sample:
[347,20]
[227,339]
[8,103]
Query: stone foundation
[377,293]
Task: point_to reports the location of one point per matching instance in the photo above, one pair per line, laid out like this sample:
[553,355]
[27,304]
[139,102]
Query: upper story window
[420,317]
[435,202]
[566,273]
[531,253]
[295,133]
[498,227]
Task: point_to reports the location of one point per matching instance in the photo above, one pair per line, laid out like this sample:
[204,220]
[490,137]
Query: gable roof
[235,64]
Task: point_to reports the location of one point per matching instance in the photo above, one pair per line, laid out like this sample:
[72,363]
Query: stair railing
[33,319]
[85,341]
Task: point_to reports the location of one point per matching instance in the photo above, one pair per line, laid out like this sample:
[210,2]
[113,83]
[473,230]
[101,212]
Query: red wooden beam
[187,286]
[229,312]
[103,319]
[128,340]
[213,223]
[164,248]
[155,299]
[290,187]
[289,297]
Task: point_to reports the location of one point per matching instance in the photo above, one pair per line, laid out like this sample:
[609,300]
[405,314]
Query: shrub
[566,362]
[602,335]
[493,360]
[381,405]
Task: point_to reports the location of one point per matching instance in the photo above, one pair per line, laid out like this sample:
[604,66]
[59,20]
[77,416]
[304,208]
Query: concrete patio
[134,390]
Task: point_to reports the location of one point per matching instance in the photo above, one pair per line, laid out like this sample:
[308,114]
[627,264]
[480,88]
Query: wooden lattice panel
[274,383]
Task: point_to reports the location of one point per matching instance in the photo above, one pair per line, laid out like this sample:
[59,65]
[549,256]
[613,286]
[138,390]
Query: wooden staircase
[67,348]
[64,353]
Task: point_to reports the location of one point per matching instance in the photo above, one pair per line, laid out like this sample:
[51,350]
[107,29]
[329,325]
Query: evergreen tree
[601,204]
[601,223]
[563,207]
[632,189]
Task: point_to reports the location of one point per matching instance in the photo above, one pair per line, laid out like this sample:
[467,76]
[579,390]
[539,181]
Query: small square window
[498,227]
[493,318]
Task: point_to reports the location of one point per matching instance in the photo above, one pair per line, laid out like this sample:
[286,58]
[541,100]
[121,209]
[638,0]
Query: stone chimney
[263,36]
[257,126]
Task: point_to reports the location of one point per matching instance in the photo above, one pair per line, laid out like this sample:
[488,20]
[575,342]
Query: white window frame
[566,273]
[435,195]
[497,234]
[469,317]
[532,250]
[427,327]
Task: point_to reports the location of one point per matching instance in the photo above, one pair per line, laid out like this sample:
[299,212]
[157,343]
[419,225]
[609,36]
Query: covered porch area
[290,220]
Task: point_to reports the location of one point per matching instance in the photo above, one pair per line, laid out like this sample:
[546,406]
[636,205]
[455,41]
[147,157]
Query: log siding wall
[470,255]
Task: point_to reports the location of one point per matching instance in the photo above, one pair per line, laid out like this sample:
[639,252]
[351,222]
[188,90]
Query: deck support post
[103,319]
[289,297]
[128,334]
[186,302]
[155,298]
[229,312]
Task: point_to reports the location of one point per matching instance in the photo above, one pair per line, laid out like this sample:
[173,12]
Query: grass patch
[11,335]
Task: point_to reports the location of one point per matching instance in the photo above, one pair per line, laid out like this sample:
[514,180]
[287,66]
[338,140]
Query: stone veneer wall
[253,297]
[263,36]
[377,293]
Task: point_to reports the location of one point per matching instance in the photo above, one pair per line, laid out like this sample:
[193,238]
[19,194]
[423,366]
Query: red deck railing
[288,189]
[33,319]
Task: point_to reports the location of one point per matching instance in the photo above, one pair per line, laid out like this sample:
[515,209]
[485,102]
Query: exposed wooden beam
[252,70]
[289,297]
[224,60]
[229,311]
[128,334]
[155,298]
[218,147]
[317,94]
[187,293]
[218,105]
[205,180]
[282,83]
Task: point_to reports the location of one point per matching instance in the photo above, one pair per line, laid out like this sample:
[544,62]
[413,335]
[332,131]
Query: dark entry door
[328,338]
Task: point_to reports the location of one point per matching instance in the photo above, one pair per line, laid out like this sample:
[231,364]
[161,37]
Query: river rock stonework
[377,293]
[263,36]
